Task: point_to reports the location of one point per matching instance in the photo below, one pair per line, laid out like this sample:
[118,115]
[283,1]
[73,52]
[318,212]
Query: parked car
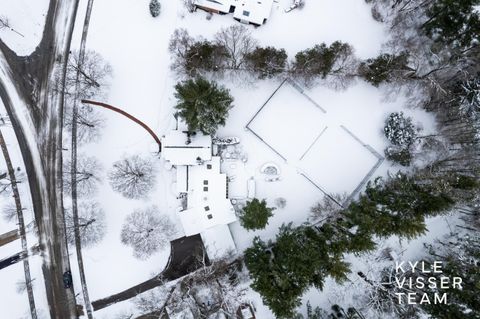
[67,279]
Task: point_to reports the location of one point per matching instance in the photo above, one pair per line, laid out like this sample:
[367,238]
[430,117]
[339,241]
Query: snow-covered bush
[399,129]
[146,231]
[155,8]
[280,202]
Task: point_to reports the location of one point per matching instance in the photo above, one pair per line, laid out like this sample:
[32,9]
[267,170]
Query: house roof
[207,202]
[218,5]
[218,241]
[255,11]
[178,151]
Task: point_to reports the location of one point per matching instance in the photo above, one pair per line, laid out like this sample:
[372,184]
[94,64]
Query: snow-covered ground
[136,45]
[26,19]
[15,304]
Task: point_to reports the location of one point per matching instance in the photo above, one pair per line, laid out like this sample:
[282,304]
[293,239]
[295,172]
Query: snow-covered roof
[182,179]
[254,11]
[207,202]
[218,241]
[215,5]
[177,149]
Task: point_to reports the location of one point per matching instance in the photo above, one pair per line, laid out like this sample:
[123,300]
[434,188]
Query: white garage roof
[218,241]
[177,150]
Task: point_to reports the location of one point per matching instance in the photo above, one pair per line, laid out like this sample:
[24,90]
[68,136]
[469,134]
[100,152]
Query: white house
[254,12]
[209,210]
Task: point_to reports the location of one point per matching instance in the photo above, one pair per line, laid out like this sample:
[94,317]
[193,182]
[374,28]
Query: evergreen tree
[300,258]
[384,68]
[255,214]
[206,56]
[154,8]
[453,22]
[267,62]
[398,206]
[320,60]
[399,130]
[402,156]
[202,104]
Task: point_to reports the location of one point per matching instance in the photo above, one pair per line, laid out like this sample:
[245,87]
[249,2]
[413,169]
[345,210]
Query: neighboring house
[208,209]
[254,12]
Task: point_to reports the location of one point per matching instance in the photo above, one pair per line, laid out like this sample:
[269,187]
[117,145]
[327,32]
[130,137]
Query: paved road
[35,109]
[185,256]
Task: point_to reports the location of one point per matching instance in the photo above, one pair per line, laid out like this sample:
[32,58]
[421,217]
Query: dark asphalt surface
[185,256]
[32,79]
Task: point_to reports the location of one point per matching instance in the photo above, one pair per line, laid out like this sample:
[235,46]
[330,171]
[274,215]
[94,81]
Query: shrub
[155,8]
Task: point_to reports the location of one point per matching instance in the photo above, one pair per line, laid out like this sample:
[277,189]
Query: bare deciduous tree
[5,184]
[88,176]
[22,286]
[238,42]
[4,23]
[91,224]
[94,77]
[9,211]
[213,291]
[90,122]
[147,231]
[329,207]
[179,45]
[95,74]
[133,177]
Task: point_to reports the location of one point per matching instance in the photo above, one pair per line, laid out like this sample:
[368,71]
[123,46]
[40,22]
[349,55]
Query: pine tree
[384,68]
[402,156]
[205,56]
[155,8]
[255,214]
[320,60]
[398,206]
[202,104]
[453,22]
[301,257]
[267,62]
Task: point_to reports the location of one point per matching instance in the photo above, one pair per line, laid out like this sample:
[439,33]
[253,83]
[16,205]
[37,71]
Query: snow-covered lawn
[26,19]
[311,139]
[136,46]
[289,123]
[337,162]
